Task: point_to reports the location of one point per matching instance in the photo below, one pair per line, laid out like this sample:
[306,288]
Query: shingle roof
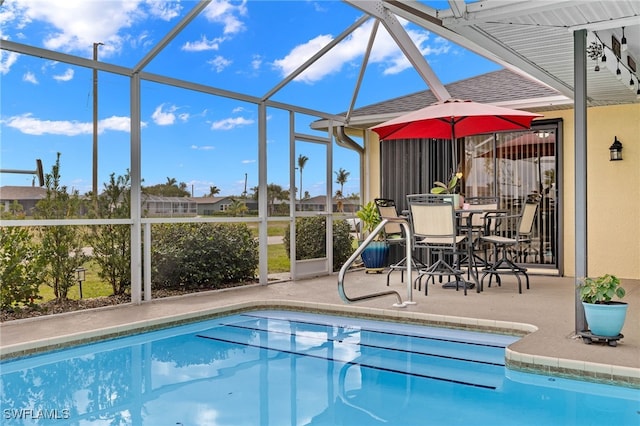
[10,193]
[497,86]
[321,199]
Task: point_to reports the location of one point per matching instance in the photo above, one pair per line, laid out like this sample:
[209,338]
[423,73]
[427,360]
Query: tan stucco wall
[613,189]
[372,167]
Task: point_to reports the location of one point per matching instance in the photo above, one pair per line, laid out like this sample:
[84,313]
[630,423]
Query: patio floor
[547,306]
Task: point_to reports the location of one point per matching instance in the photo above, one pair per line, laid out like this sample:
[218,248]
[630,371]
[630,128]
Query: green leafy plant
[111,243]
[311,237]
[369,218]
[20,269]
[601,289]
[202,255]
[61,246]
[449,188]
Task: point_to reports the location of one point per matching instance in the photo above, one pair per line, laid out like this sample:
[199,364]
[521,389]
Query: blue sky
[202,140]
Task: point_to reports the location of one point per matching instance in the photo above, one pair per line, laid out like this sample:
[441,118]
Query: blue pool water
[291,368]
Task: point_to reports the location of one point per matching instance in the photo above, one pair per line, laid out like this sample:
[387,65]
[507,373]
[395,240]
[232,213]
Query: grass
[274,229]
[278,259]
[93,286]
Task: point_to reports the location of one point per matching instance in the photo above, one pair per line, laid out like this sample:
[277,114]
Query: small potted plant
[375,255]
[449,188]
[605,317]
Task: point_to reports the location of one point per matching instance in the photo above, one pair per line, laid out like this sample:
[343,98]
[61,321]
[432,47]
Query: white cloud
[203,147]
[118,123]
[302,53]
[385,52]
[68,75]
[202,45]
[76,24]
[7,59]
[30,77]
[165,10]
[256,62]
[248,161]
[219,63]
[142,40]
[30,125]
[228,14]
[231,123]
[164,117]
[12,12]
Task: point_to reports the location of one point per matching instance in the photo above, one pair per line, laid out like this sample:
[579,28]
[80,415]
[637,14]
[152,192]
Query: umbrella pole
[454,156]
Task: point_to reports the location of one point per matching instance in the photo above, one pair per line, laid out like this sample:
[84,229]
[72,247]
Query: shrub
[61,246]
[202,255]
[20,270]
[311,240]
[342,243]
[112,243]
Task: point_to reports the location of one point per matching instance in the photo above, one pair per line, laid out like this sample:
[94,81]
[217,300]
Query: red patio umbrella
[454,118]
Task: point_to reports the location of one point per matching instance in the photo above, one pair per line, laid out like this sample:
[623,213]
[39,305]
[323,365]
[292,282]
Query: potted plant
[604,316]
[449,188]
[375,255]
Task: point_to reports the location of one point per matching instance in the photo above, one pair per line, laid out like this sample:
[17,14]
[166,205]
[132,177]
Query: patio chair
[506,244]
[394,235]
[486,204]
[433,223]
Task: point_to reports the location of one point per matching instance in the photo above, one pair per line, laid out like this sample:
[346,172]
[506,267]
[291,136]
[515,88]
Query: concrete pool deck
[545,313]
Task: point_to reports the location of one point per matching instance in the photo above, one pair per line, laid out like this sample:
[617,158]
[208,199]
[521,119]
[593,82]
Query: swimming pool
[281,367]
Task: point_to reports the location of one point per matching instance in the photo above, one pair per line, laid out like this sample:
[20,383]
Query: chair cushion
[498,239]
[441,240]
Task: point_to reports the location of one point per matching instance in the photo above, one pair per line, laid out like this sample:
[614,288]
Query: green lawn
[278,259]
[275,229]
[95,287]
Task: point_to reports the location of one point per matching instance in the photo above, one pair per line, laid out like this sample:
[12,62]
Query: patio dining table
[465,224]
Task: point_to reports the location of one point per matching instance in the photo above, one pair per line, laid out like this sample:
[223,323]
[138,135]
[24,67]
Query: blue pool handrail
[360,249]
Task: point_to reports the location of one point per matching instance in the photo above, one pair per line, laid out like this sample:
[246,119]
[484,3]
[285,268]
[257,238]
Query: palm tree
[275,192]
[237,208]
[341,178]
[302,161]
[213,191]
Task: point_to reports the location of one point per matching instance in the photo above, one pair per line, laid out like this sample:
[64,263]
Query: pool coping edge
[581,370]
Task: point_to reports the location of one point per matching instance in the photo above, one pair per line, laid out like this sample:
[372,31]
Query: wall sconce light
[615,150]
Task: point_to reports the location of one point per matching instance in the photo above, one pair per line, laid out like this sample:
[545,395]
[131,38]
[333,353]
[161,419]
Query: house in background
[157,206]
[207,206]
[317,204]
[26,196]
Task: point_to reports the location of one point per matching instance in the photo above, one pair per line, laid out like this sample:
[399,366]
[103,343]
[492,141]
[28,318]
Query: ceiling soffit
[537,38]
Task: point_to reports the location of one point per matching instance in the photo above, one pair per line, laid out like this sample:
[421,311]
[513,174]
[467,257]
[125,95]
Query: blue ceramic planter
[376,254]
[605,319]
